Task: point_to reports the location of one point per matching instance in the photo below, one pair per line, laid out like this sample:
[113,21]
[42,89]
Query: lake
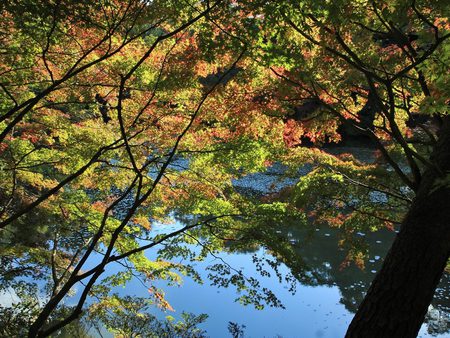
[323,308]
[296,266]
[319,296]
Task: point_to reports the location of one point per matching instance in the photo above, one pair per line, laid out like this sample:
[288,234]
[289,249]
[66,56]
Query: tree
[96,111]
[391,55]
[77,140]
[101,103]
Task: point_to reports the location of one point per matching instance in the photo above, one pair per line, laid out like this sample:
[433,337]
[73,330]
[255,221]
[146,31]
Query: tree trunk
[397,301]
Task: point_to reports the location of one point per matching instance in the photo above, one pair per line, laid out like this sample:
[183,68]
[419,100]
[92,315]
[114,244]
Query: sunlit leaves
[129,317]
[106,92]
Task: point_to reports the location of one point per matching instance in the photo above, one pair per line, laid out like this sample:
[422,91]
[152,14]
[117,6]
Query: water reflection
[302,266]
[293,265]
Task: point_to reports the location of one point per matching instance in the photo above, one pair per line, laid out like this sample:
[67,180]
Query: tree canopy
[118,116]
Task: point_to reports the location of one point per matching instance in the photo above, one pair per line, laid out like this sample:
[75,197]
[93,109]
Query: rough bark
[397,301]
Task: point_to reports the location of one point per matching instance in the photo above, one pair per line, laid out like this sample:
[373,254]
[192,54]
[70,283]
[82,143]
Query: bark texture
[397,301]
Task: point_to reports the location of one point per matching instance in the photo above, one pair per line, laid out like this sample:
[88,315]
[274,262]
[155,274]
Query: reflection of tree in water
[314,258]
